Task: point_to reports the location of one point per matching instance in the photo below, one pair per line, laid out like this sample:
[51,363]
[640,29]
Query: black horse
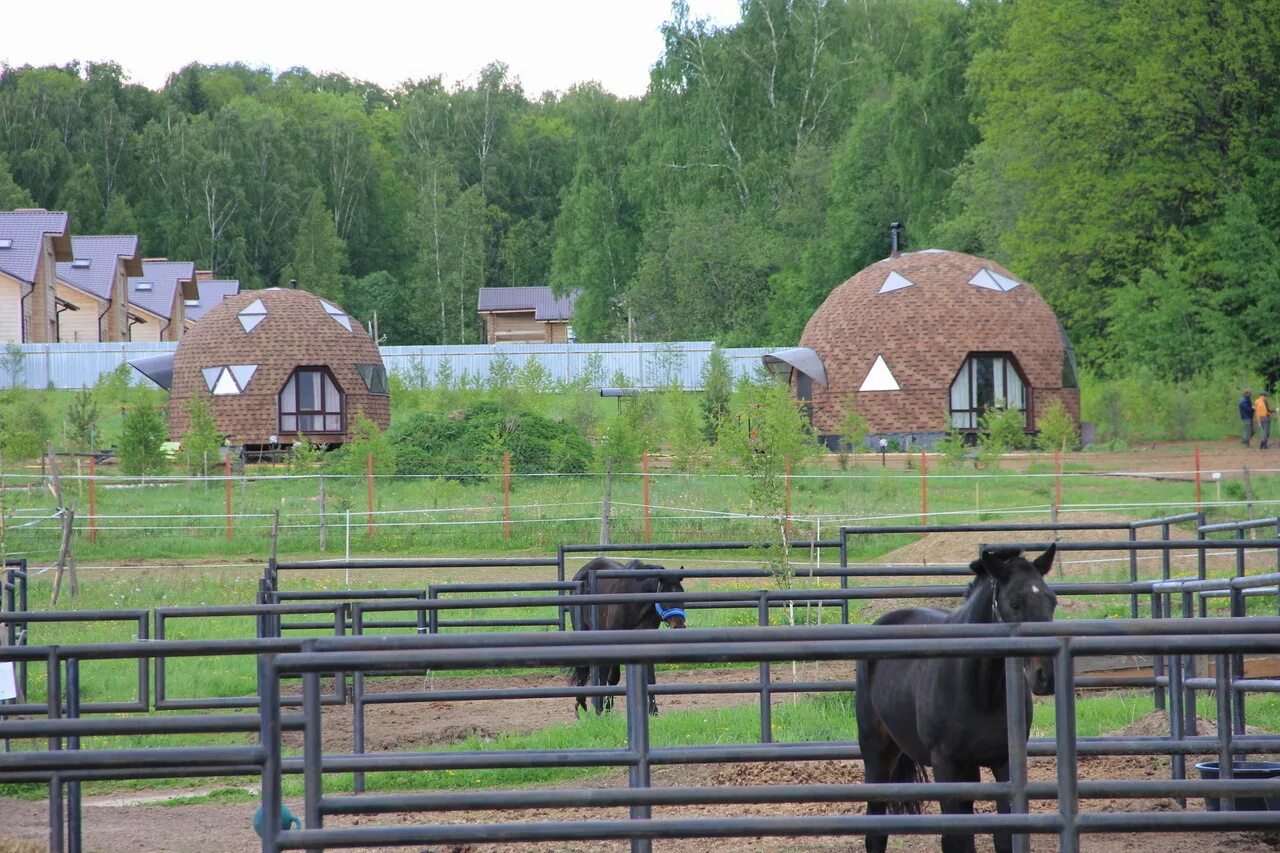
[624,616]
[950,713]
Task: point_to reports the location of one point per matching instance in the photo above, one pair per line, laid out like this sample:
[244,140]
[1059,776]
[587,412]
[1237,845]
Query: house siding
[148,332]
[11,310]
[82,326]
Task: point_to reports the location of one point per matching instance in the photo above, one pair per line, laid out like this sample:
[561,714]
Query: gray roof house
[95,282]
[525,315]
[157,299]
[212,291]
[31,243]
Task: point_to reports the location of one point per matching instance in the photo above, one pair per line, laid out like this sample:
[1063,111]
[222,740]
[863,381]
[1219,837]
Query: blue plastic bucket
[1244,770]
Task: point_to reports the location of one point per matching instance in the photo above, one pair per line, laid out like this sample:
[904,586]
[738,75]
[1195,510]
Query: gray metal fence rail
[1063,641]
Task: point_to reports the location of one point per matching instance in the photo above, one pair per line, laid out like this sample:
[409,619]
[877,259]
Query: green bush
[25,427]
[472,442]
[1057,430]
[140,442]
[201,446]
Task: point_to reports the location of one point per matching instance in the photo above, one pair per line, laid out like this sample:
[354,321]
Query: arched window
[311,402]
[986,380]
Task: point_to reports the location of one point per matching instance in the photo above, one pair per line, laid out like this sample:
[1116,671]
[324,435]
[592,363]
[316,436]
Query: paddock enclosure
[332,676]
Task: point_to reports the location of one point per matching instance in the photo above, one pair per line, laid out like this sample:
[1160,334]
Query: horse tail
[906,770]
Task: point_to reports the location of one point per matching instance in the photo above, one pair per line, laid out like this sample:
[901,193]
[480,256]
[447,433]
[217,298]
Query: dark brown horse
[623,616]
[950,713]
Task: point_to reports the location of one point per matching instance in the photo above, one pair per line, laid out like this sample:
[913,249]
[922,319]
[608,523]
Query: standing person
[1246,417]
[1262,408]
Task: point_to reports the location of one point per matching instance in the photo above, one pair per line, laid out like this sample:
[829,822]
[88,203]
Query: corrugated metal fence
[641,365]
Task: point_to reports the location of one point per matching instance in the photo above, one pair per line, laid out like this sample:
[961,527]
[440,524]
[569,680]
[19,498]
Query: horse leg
[945,770]
[879,756]
[600,703]
[1003,840]
[652,678]
[615,675]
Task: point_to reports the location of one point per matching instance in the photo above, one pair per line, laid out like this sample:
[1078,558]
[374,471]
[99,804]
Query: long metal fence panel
[641,365]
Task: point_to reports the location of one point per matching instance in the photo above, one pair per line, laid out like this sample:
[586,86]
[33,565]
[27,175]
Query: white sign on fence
[8,686]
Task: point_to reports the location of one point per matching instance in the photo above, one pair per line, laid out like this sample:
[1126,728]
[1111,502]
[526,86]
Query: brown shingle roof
[924,329]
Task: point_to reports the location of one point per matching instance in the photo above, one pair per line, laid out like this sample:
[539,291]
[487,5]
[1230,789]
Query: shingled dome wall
[277,363]
[931,337]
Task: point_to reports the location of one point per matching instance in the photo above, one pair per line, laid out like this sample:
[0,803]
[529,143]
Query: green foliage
[304,457]
[999,431]
[633,430]
[953,446]
[25,426]
[684,434]
[82,417]
[319,256]
[140,442]
[853,426]
[472,442]
[717,390]
[1057,430]
[366,440]
[13,363]
[113,386]
[202,443]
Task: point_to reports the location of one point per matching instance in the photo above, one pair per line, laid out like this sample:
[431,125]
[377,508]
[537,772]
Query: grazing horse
[950,713]
[624,616]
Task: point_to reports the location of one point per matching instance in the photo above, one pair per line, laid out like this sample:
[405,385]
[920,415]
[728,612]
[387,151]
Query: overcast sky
[548,44]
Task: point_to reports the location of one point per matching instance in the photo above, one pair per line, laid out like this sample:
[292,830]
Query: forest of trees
[1123,156]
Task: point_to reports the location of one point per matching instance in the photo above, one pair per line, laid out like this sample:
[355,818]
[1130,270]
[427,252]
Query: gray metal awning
[157,368]
[802,359]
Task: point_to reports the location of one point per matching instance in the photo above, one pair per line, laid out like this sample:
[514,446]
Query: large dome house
[275,363]
[925,339]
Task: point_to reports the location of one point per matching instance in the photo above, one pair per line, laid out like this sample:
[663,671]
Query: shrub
[953,445]
[366,439]
[853,426]
[141,441]
[999,431]
[202,443]
[1057,430]
[472,442]
[717,390]
[25,428]
[82,417]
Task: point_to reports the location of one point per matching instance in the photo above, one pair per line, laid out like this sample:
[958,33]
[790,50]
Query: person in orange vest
[1262,408]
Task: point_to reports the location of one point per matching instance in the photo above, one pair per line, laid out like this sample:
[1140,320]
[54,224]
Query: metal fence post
[844,575]
[1015,677]
[57,838]
[312,750]
[269,735]
[766,690]
[1133,573]
[1064,701]
[1226,766]
[73,742]
[638,744]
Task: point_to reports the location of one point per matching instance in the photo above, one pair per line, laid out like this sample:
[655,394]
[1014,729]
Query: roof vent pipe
[895,239]
[293,284]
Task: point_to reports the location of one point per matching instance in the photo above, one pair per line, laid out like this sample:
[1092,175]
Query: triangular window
[337,314]
[226,383]
[211,376]
[895,282]
[880,378]
[989,280]
[243,373]
[251,315]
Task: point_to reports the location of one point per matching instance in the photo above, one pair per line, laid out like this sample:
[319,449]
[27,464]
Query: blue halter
[665,613]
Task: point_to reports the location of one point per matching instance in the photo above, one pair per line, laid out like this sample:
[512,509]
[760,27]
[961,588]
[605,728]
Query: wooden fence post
[368,476]
[644,476]
[93,500]
[924,489]
[506,495]
[226,479]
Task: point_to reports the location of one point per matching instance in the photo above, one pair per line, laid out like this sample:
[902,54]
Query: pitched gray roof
[539,300]
[24,230]
[102,253]
[211,293]
[164,277]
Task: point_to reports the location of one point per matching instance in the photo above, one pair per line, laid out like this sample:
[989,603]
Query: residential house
[157,299]
[525,315]
[211,292]
[96,282]
[31,244]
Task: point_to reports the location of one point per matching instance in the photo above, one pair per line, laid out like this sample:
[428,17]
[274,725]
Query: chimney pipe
[895,240]
[293,284]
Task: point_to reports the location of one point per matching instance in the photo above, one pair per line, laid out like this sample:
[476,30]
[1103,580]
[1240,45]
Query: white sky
[548,44]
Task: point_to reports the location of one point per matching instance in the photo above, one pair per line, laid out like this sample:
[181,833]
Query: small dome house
[275,363]
[929,338]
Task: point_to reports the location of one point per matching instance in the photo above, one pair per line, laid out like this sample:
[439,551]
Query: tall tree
[319,256]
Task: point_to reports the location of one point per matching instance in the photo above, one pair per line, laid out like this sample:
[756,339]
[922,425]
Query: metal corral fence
[65,764]
[644,365]
[1062,641]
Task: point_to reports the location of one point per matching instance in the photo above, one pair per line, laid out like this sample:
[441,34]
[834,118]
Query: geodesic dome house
[275,363]
[925,339]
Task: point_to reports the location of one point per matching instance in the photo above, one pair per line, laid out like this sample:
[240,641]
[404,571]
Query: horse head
[671,612]
[1020,594]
